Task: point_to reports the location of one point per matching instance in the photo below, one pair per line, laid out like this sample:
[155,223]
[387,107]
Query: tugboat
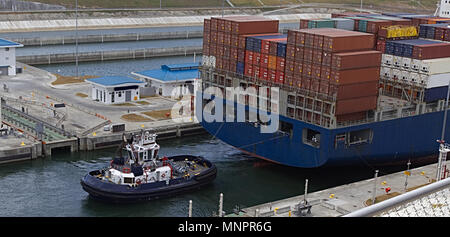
[143,175]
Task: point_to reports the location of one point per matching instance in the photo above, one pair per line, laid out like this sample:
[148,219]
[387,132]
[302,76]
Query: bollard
[221,205]
[257,213]
[190,208]
[306,191]
[375,187]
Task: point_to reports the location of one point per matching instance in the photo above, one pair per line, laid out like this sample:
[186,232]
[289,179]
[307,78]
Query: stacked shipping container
[335,63]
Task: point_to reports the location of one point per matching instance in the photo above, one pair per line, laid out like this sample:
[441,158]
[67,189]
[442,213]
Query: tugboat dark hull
[110,192]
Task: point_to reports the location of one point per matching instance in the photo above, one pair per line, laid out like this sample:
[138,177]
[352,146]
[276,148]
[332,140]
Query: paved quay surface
[81,114]
[341,200]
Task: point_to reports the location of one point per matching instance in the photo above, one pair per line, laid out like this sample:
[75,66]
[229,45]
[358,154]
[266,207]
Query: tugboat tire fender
[126,170]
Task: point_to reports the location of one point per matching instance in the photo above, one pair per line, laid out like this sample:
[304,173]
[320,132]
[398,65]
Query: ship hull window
[311,137]
[360,137]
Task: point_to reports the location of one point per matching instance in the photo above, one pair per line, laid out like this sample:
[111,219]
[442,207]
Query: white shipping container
[386,60]
[397,61]
[396,74]
[406,63]
[435,66]
[415,78]
[436,80]
[386,72]
[212,61]
[415,65]
[205,60]
[405,77]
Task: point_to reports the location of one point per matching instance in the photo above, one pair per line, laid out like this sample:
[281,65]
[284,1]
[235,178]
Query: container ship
[357,88]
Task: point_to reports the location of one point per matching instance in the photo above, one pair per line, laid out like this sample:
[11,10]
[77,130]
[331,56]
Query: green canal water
[50,186]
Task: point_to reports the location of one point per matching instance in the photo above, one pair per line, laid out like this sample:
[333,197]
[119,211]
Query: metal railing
[430,200]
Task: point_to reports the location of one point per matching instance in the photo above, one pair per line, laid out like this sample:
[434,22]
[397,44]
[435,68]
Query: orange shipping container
[272,62]
[356,105]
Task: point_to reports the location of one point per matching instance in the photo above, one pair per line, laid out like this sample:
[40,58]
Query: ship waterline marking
[216,105]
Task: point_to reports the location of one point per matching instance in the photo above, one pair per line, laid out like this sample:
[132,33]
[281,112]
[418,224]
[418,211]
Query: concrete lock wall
[22,153]
[108,55]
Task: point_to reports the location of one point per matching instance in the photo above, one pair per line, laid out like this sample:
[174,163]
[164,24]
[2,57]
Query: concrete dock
[342,200]
[79,125]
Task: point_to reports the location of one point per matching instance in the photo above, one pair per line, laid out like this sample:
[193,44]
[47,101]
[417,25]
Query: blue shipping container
[281,49]
[434,94]
[240,68]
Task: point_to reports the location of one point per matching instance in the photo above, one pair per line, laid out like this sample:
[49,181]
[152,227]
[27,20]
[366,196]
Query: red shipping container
[299,51]
[219,63]
[326,58]
[356,105]
[206,25]
[289,80]
[291,37]
[227,39]
[264,73]
[241,41]
[309,40]
[273,48]
[308,55]
[316,70]
[298,69]
[307,69]
[214,37]
[290,67]
[264,61]
[256,71]
[226,65]
[205,50]
[256,58]
[249,57]
[304,23]
[206,37]
[220,51]
[233,53]
[228,27]
[235,41]
[325,73]
[281,64]
[360,59]
[248,70]
[355,75]
[315,85]
[272,75]
[300,38]
[233,64]
[324,86]
[214,24]
[252,25]
[265,45]
[318,42]
[290,51]
[373,26]
[431,51]
[241,55]
[226,52]
[297,81]
[306,83]
[355,90]
[351,117]
[279,77]
[381,45]
[317,56]
[213,50]
[220,38]
[221,25]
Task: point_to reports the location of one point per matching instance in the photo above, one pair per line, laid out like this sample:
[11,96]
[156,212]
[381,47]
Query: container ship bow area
[336,99]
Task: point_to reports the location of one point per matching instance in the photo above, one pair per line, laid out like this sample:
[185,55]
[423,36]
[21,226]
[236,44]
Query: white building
[8,57]
[115,89]
[444,9]
[171,80]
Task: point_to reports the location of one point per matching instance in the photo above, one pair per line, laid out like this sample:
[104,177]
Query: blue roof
[6,43]
[113,80]
[173,72]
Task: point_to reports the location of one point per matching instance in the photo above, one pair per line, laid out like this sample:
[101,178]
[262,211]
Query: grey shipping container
[344,24]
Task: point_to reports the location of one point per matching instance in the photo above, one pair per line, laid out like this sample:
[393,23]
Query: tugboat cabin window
[128,180]
[360,136]
[311,137]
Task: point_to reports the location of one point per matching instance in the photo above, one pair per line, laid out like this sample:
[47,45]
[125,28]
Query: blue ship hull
[392,142]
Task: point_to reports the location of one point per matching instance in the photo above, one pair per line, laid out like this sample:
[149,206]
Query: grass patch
[142,102]
[62,80]
[135,118]
[124,104]
[81,95]
[159,114]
